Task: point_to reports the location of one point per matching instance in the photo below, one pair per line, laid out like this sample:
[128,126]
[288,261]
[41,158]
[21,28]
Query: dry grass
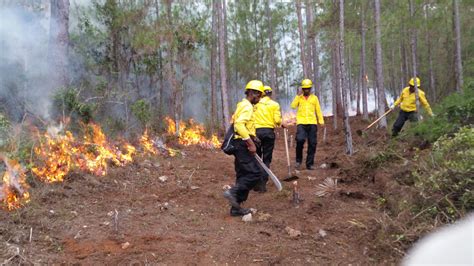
[328,187]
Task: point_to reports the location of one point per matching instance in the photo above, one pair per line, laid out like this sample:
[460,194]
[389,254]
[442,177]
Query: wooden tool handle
[378,119]
[285,133]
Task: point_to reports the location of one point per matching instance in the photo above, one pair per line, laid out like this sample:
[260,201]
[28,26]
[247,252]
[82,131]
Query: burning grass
[191,133]
[60,152]
[13,191]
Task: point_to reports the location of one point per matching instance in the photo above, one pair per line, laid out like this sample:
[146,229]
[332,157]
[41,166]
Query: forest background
[128,64]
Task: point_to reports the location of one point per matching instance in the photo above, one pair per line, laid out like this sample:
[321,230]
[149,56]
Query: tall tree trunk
[171,74]
[313,43]
[413,51]
[302,43]
[393,71]
[222,62]
[309,39]
[458,60]
[379,65]
[214,26]
[339,87]
[430,56]
[359,93]
[226,48]
[59,43]
[405,60]
[403,79]
[347,126]
[256,42]
[334,82]
[273,65]
[363,68]
[159,101]
[349,76]
[162,84]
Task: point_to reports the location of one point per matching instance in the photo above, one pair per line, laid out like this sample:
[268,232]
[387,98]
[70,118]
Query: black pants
[401,119]
[304,132]
[248,171]
[267,138]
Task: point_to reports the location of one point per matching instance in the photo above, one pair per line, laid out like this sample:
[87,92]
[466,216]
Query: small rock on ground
[292,232]
[247,218]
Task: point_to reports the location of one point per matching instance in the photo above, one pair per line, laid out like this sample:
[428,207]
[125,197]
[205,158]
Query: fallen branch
[116,221]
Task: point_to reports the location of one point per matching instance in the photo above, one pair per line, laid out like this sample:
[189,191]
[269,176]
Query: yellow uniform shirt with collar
[309,110]
[407,101]
[243,118]
[267,113]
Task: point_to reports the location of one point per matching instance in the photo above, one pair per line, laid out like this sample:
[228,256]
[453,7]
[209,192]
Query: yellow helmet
[256,85]
[412,82]
[267,88]
[306,83]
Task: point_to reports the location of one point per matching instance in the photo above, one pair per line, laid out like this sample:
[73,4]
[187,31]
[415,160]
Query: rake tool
[290,177]
[359,132]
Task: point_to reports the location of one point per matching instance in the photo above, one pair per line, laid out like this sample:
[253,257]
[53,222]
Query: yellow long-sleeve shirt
[309,110]
[407,101]
[267,113]
[244,125]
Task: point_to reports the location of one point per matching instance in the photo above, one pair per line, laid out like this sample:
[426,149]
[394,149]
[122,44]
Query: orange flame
[289,118]
[56,157]
[152,147]
[192,134]
[59,154]
[97,152]
[147,144]
[13,192]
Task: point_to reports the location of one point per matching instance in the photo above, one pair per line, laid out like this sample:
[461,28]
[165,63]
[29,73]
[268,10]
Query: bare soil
[130,216]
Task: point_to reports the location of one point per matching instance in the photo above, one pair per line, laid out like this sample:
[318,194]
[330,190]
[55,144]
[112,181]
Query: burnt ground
[131,216]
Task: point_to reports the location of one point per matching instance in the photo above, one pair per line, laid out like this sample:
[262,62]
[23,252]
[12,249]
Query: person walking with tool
[407,102]
[267,116]
[247,169]
[308,116]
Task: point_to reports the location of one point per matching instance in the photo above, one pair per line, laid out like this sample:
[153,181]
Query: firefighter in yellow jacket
[407,102]
[308,116]
[248,171]
[267,116]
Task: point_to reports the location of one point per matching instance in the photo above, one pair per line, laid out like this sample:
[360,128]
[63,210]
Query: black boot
[297,166]
[239,211]
[231,198]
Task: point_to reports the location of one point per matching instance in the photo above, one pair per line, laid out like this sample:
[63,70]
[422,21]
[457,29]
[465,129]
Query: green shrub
[142,111]
[67,102]
[454,112]
[449,183]
[374,161]
[4,130]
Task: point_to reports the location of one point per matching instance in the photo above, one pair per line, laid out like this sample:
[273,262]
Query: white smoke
[23,60]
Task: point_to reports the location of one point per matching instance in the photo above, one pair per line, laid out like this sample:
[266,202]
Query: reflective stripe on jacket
[267,113]
[407,101]
[309,110]
[243,118]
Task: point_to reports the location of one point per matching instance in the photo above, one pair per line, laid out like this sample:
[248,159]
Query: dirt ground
[131,216]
